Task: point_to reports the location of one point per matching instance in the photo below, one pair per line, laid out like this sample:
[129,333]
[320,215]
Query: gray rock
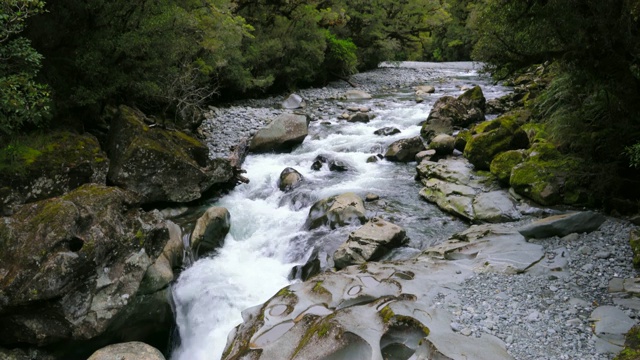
[134,350]
[294,101]
[359,117]
[611,324]
[404,150]
[210,230]
[282,134]
[562,225]
[387,131]
[443,144]
[372,159]
[338,210]
[337,165]
[370,242]
[290,179]
[355,95]
[426,155]
[424,89]
[494,207]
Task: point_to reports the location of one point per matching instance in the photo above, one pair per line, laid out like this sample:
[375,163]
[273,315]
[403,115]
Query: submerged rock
[282,134]
[359,117]
[210,230]
[387,131]
[370,242]
[338,210]
[404,150]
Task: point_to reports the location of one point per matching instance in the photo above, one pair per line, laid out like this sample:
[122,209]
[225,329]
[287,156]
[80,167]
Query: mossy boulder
[473,98]
[495,136]
[549,177]
[461,139]
[85,266]
[503,163]
[449,113]
[45,166]
[161,165]
[632,345]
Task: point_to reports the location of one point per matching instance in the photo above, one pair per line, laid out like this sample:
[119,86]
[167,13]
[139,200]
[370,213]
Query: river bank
[544,315]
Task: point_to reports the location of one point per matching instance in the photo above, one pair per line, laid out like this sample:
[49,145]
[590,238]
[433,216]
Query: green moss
[634,241]
[363,267]
[503,163]
[386,314]
[285,292]
[319,289]
[401,320]
[481,149]
[319,328]
[536,132]
[632,345]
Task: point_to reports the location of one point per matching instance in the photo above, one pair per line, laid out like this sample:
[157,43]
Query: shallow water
[267,239]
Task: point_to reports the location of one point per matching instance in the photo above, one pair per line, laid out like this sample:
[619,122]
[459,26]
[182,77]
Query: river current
[267,238]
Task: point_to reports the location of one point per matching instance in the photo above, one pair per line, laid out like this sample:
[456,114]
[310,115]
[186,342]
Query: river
[267,237]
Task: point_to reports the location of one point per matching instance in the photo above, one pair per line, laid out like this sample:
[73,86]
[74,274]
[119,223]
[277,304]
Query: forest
[62,63]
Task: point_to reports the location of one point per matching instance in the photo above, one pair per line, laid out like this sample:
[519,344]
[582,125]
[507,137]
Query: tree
[23,101]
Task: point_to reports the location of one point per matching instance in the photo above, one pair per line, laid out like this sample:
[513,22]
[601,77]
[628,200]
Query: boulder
[562,225]
[404,150]
[424,89]
[294,101]
[425,155]
[355,95]
[282,134]
[338,210]
[387,131]
[634,241]
[473,98]
[503,163]
[371,197]
[133,350]
[53,165]
[337,165]
[359,117]
[290,179]
[373,158]
[495,136]
[370,242]
[210,230]
[161,165]
[449,113]
[86,265]
[494,207]
[443,144]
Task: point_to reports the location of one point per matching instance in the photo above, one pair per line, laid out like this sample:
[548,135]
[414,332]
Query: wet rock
[128,351]
[99,266]
[338,210]
[495,207]
[290,179]
[359,117]
[449,113]
[372,159]
[161,165]
[371,197]
[355,95]
[387,131]
[316,165]
[425,155]
[424,89]
[337,165]
[503,163]
[443,144]
[453,198]
[404,150]
[210,230]
[294,101]
[565,224]
[283,133]
[610,326]
[63,162]
[370,242]
[473,98]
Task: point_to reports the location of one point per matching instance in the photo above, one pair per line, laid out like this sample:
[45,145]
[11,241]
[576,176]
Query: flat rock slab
[611,324]
[564,224]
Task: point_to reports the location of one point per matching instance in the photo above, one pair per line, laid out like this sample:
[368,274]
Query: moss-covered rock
[473,98]
[632,345]
[634,241]
[161,165]
[502,164]
[72,269]
[449,113]
[495,136]
[45,166]
[461,139]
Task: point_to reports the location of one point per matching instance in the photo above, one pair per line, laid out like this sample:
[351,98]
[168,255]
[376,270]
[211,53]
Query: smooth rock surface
[338,210]
[210,230]
[294,101]
[404,150]
[283,133]
[565,224]
[290,178]
[128,351]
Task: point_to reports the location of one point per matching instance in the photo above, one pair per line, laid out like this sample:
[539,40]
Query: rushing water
[266,238]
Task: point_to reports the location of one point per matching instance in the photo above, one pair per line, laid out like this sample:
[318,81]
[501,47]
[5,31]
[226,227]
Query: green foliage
[452,40]
[341,57]
[633,152]
[23,101]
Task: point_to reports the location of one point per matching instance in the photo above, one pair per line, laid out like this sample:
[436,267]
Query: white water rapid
[266,238]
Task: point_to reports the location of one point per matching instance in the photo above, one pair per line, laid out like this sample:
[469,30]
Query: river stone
[503,163]
[283,133]
[453,198]
[473,98]
[424,89]
[370,242]
[425,155]
[495,207]
[338,210]
[443,144]
[404,150]
[62,162]
[290,179]
[387,131]
[87,272]
[611,324]
[161,165]
[210,230]
[355,95]
[372,159]
[359,117]
[564,224]
[133,350]
[294,101]
[337,165]
[634,241]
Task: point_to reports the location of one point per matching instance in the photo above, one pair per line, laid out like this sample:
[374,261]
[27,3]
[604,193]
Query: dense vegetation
[62,63]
